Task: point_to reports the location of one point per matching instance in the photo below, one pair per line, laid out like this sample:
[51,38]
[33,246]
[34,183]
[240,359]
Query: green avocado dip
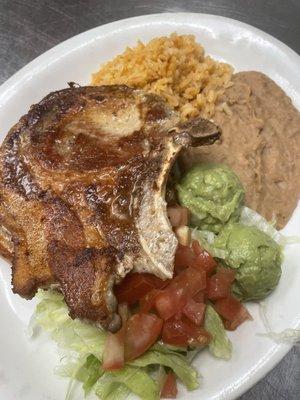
[254,256]
[213,194]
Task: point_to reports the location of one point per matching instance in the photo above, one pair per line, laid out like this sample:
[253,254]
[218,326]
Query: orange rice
[173,67]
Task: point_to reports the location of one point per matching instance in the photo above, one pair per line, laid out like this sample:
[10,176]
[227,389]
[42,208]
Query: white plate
[26,366]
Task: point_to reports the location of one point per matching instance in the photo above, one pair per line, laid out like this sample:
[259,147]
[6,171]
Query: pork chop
[82,182]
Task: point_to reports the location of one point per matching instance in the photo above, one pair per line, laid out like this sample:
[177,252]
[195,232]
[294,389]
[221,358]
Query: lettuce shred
[187,374]
[289,335]
[81,346]
[207,239]
[252,218]
[220,346]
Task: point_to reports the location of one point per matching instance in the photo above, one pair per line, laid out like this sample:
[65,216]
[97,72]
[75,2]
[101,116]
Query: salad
[227,254]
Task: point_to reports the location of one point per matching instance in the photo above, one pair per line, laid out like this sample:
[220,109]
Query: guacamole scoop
[213,194]
[255,257]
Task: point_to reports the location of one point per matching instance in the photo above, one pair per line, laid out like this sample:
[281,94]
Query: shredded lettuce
[73,335]
[187,374]
[169,349]
[89,373]
[119,392]
[290,336]
[115,385]
[138,381]
[220,346]
[107,388]
[161,376]
[252,218]
[206,236]
[81,346]
[207,239]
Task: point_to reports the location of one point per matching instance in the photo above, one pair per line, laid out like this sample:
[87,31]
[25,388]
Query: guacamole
[213,194]
[254,256]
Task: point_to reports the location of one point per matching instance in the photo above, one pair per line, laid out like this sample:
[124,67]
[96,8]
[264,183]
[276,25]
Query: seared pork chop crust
[82,180]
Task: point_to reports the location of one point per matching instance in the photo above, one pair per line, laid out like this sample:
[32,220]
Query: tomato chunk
[203,259]
[178,215]
[194,257]
[227,274]
[196,247]
[147,302]
[199,297]
[183,333]
[113,354]
[232,311]
[194,311]
[185,285]
[202,339]
[134,286]
[191,280]
[184,257]
[141,332]
[169,301]
[176,333]
[219,284]
[169,390]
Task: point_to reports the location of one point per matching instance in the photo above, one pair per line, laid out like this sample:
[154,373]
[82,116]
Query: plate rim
[49,57]
[56,52]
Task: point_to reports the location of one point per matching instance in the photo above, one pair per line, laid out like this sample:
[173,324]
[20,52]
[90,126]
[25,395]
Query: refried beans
[260,142]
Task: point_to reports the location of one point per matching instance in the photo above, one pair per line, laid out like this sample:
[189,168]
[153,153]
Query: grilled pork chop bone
[82,184]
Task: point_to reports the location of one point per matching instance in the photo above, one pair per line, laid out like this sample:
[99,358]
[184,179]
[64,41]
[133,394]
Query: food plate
[26,365]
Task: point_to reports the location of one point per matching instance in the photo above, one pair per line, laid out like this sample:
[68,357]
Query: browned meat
[82,180]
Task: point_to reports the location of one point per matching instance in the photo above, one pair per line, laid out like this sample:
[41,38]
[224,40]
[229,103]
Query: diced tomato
[142,330]
[169,301]
[219,284]
[147,302]
[194,311]
[194,257]
[169,390]
[184,257]
[174,297]
[113,354]
[178,315]
[228,308]
[241,317]
[227,274]
[203,260]
[178,215]
[176,333]
[202,339]
[183,333]
[196,247]
[199,297]
[134,286]
[232,311]
[191,280]
[216,289]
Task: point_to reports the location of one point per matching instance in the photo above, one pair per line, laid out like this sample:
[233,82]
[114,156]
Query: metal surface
[30,27]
